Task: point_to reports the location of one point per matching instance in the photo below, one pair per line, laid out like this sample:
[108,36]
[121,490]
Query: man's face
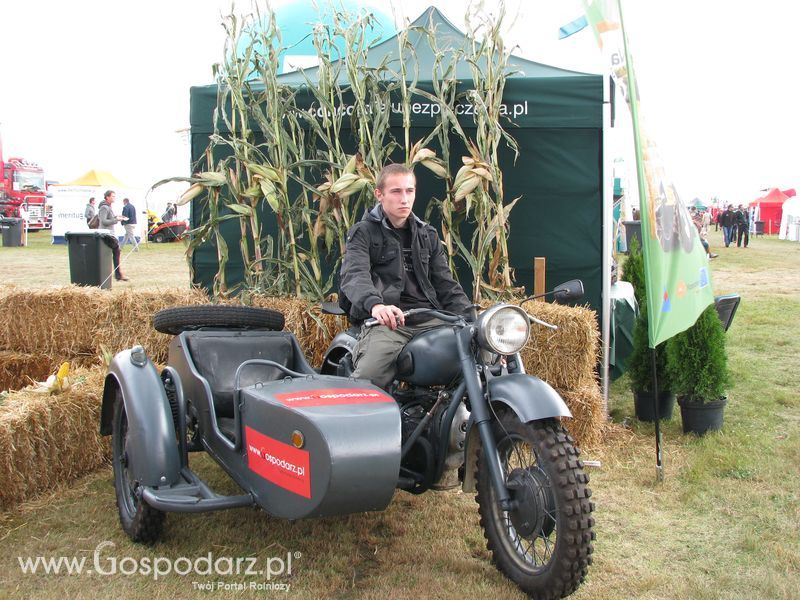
[397,197]
[111,197]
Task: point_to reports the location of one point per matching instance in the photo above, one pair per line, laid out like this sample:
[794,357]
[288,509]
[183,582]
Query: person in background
[107,221]
[698,219]
[728,221]
[129,223]
[743,226]
[706,221]
[169,214]
[23,214]
[90,210]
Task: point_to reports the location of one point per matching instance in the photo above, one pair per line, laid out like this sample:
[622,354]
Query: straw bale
[18,369]
[126,320]
[589,422]
[58,322]
[46,440]
[567,357]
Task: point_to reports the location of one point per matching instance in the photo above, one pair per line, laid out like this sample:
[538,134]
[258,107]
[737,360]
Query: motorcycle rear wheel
[545,544]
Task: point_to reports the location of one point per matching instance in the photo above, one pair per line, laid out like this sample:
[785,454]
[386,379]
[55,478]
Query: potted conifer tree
[697,365]
[640,361]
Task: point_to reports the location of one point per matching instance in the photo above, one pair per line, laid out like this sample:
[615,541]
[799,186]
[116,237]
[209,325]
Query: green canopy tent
[557,118]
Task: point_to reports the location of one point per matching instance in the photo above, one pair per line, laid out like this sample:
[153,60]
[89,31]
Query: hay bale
[59,322]
[18,369]
[72,323]
[126,320]
[46,440]
[589,423]
[567,357]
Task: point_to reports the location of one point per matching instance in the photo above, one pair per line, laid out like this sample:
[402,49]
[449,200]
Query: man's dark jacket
[742,218]
[727,218]
[129,211]
[373,273]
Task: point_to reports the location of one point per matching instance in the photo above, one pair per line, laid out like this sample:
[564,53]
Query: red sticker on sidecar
[332,397]
[282,464]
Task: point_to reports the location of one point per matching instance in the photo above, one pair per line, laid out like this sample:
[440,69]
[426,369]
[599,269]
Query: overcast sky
[105,84]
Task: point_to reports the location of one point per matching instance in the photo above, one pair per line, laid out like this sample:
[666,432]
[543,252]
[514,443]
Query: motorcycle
[304,443]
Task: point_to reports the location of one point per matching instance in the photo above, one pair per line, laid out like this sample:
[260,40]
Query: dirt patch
[775,282]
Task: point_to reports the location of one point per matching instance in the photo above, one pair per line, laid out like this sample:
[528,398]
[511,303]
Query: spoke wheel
[544,544]
[140,521]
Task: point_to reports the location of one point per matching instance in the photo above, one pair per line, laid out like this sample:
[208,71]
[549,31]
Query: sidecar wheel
[187,318]
[545,544]
[139,520]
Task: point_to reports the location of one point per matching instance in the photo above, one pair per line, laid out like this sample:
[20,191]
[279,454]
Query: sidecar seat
[217,354]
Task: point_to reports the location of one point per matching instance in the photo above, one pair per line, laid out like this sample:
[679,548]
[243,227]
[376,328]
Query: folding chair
[726,308]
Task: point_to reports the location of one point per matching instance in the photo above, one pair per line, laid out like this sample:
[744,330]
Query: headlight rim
[484,340]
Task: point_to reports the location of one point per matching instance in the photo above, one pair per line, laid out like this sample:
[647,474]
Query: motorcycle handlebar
[442,315]
[540,322]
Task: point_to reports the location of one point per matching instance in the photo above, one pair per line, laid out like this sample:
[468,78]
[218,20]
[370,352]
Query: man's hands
[388,315]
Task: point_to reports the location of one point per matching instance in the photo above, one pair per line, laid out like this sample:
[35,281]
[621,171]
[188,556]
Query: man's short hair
[107,194]
[125,200]
[392,169]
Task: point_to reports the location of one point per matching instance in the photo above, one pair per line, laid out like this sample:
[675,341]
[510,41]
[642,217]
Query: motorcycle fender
[342,344]
[529,397]
[152,447]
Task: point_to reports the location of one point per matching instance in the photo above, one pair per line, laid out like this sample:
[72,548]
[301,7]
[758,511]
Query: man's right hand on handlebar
[389,315]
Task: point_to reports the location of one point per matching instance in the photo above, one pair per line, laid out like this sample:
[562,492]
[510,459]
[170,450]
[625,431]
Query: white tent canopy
[69,203]
[790,220]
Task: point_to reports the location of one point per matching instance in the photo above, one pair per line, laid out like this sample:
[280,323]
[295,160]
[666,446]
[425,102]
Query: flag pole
[633,101]
[659,463]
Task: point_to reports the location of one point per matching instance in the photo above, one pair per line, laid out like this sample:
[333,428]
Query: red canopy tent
[770,209]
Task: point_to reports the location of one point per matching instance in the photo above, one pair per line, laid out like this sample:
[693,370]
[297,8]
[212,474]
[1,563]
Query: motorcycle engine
[410,416]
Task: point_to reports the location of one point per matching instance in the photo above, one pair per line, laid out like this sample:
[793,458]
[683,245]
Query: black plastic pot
[700,417]
[643,405]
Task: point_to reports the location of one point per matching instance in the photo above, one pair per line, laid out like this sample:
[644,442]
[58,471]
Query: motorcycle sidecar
[298,443]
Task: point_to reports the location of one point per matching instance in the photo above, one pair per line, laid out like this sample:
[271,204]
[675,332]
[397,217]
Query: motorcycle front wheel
[544,544]
[139,520]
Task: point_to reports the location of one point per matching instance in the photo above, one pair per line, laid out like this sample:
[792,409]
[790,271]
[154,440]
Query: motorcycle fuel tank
[320,446]
[431,358]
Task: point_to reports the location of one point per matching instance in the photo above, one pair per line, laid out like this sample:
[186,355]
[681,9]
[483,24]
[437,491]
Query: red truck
[22,182]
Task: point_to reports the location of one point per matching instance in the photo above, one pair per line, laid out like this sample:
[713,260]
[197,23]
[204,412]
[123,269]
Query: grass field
[43,264]
[724,524]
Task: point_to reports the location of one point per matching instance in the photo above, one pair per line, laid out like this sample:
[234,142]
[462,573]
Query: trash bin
[12,231]
[633,229]
[90,258]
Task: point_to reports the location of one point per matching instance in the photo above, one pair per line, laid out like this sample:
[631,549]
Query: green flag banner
[677,276]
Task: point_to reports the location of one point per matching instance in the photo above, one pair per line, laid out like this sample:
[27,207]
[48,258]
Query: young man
[107,221]
[393,262]
[129,223]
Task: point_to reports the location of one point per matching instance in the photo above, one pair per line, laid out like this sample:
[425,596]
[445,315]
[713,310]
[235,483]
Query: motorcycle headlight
[503,329]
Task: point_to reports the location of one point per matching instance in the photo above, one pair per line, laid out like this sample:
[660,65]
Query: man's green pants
[375,354]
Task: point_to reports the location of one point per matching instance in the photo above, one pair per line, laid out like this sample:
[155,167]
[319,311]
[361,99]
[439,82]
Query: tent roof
[98,178]
[536,95]
[448,40]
